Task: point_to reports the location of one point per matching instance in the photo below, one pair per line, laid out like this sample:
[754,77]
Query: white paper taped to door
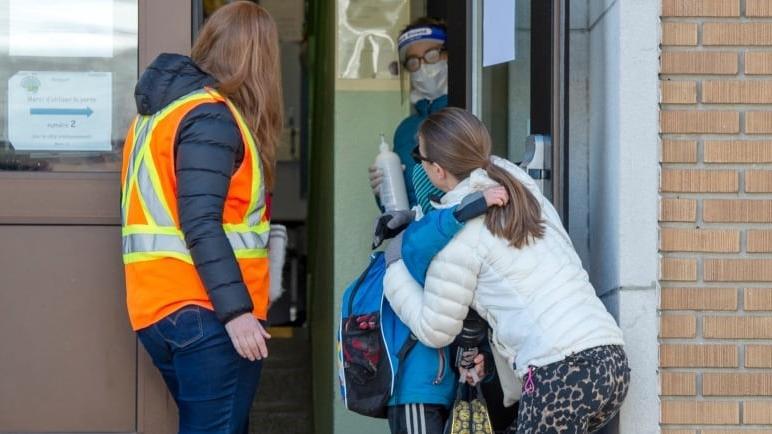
[498,31]
[60,111]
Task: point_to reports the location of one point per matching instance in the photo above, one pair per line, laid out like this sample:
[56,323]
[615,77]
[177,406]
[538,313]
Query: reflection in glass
[367,33]
[67,74]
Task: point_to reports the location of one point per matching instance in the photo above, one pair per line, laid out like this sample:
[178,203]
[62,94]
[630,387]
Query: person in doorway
[198,167]
[518,269]
[423,56]
[425,384]
[420,403]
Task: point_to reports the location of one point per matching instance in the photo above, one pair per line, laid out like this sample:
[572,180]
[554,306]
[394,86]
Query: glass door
[502,91]
[512,74]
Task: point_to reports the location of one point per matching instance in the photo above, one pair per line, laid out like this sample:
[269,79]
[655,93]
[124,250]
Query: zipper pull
[529,387]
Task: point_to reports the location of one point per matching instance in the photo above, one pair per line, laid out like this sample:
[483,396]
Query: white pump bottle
[392,191]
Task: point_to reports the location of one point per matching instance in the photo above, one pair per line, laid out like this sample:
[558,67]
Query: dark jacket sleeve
[208,148]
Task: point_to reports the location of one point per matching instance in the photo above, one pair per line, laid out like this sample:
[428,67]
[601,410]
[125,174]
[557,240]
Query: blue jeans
[212,385]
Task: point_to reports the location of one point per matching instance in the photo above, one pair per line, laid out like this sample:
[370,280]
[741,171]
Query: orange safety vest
[160,275]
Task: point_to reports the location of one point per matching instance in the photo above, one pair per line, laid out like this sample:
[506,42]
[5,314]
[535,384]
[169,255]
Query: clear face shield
[429,65]
[404,80]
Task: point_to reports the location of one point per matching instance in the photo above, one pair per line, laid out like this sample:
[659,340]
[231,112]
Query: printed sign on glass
[60,111]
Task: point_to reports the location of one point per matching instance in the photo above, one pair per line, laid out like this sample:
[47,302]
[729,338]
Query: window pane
[67,76]
[505,91]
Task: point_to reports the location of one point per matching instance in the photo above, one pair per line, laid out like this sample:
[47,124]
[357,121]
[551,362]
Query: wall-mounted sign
[56,28]
[60,111]
[498,31]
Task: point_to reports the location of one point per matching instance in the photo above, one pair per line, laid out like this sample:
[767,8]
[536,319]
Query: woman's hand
[496,196]
[248,337]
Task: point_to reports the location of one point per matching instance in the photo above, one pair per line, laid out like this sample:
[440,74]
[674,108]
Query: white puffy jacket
[537,299]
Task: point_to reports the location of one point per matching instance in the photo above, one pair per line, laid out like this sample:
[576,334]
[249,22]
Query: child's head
[452,143]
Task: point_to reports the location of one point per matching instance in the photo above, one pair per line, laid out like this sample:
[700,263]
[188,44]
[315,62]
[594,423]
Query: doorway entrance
[523,99]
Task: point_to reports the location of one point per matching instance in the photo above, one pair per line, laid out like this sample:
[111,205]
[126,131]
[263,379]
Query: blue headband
[427,33]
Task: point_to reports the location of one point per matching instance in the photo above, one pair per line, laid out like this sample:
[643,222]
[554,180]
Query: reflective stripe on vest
[161,236]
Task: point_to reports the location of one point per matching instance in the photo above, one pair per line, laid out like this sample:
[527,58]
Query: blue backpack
[368,333]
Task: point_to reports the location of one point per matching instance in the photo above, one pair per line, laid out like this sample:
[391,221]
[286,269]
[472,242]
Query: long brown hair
[459,142]
[239,47]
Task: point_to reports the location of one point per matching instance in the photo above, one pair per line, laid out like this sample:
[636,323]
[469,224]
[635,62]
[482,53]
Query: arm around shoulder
[435,313]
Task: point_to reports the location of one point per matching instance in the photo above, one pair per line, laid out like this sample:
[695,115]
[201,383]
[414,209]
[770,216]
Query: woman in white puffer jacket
[518,269]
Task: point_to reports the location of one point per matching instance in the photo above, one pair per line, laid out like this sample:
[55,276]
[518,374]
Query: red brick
[688,412]
[678,269]
[699,62]
[679,151]
[698,299]
[699,181]
[758,8]
[738,151]
[736,384]
[700,8]
[677,210]
[677,326]
[737,211]
[697,356]
[737,91]
[679,34]
[737,327]
[737,34]
[758,181]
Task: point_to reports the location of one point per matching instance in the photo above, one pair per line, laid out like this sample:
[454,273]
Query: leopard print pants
[577,395]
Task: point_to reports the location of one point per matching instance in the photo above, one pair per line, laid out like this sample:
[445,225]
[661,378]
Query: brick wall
[715,351]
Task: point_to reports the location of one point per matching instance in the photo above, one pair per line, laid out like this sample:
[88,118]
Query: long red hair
[239,47]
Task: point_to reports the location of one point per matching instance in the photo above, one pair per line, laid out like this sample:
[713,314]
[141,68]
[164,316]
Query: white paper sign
[57,28]
[498,31]
[60,111]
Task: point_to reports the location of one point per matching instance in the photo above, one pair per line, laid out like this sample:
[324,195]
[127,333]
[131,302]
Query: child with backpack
[384,371]
[518,269]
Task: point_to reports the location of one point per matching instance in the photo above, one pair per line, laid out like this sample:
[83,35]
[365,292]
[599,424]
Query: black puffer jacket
[207,150]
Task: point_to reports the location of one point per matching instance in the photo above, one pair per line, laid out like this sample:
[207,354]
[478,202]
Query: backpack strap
[406,347]
[356,288]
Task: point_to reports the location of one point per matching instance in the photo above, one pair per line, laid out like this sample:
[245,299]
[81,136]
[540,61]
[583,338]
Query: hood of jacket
[168,78]
[479,180]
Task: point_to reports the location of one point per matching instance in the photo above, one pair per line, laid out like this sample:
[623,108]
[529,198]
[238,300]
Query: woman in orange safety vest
[197,172]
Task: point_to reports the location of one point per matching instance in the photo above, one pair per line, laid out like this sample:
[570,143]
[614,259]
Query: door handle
[537,161]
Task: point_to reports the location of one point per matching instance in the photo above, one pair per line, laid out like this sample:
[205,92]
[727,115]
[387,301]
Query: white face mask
[430,81]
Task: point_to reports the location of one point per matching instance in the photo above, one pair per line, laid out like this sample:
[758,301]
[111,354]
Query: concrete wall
[604,141]
[578,130]
[623,58]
